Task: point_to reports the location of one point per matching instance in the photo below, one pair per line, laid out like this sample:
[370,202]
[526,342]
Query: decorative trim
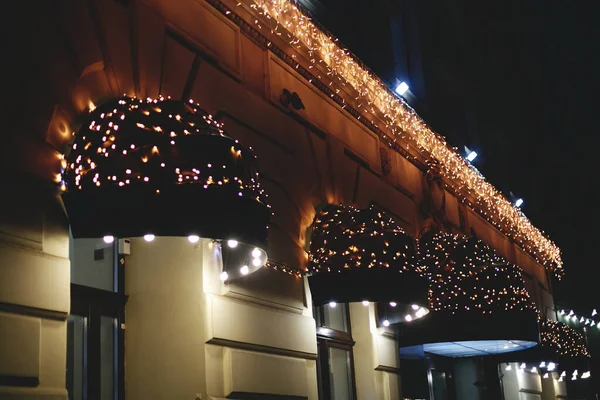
[391,370]
[33,312]
[262,349]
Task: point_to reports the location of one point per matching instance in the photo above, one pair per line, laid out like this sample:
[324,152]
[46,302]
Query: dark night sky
[527,72]
[535,85]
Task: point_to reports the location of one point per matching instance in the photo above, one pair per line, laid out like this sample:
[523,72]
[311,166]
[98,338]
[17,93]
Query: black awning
[478,301]
[161,167]
[363,255]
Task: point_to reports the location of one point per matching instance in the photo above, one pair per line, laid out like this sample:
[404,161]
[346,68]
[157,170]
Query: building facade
[153,316]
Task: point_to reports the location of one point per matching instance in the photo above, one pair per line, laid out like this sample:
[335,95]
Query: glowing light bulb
[408,317]
[224,275]
[108,239]
[415,307]
[533,369]
[586,375]
[551,366]
[393,303]
[149,237]
[518,202]
[471,156]
[332,304]
[386,323]
[522,366]
[244,270]
[402,88]
[232,243]
[256,252]
[256,262]
[542,364]
[365,303]
[193,238]
[545,375]
[508,367]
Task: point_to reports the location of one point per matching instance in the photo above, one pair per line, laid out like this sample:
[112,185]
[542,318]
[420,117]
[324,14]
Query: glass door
[94,344]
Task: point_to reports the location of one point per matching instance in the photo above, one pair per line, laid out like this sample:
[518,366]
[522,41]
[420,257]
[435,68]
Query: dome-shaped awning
[166,168]
[562,349]
[477,297]
[363,255]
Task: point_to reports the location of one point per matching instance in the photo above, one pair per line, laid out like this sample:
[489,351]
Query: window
[95,340]
[335,365]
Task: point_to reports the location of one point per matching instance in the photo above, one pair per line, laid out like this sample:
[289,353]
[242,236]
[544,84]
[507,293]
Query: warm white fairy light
[193,238]
[244,270]
[149,237]
[403,124]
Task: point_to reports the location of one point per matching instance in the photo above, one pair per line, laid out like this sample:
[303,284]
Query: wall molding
[32,312]
[262,349]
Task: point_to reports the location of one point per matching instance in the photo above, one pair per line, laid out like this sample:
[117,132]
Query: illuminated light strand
[467,275]
[281,267]
[574,317]
[563,340]
[404,124]
[344,237]
[146,150]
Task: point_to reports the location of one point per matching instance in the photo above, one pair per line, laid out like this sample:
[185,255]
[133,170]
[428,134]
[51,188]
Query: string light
[345,237]
[575,318]
[285,269]
[403,124]
[132,133]
[562,340]
[467,275]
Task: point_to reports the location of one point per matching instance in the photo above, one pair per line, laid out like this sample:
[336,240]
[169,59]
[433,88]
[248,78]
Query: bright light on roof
[402,88]
[471,156]
[519,202]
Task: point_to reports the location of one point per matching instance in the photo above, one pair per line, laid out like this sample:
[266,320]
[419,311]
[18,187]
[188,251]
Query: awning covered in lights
[477,297]
[562,348]
[363,255]
[166,168]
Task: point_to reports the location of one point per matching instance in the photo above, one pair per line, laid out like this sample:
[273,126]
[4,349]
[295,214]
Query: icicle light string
[403,123]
